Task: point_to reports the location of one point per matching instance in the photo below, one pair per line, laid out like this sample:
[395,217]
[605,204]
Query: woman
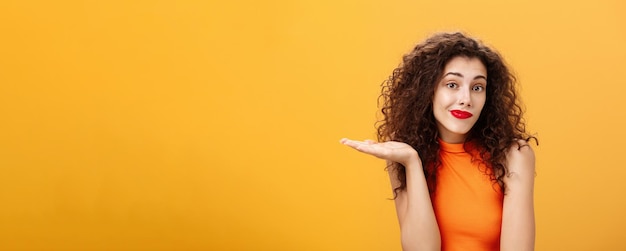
[459,161]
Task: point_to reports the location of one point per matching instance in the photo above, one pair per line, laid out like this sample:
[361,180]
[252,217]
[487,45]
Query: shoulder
[520,150]
[520,159]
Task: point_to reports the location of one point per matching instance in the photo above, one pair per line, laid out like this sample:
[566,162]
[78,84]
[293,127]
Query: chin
[461,131]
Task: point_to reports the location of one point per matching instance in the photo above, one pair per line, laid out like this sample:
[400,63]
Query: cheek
[480,109]
[436,107]
[480,101]
[442,100]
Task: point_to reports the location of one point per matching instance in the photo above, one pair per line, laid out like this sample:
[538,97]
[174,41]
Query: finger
[350,142]
[361,146]
[373,149]
[369,141]
[344,140]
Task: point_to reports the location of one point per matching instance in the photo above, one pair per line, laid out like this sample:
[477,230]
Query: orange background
[195,125]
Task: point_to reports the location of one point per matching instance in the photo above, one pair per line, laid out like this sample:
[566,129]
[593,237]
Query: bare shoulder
[520,159]
[520,151]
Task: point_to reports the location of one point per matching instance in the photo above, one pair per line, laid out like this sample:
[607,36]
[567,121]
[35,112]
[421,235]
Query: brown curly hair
[407,98]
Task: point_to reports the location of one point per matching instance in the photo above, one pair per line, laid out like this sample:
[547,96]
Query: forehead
[467,66]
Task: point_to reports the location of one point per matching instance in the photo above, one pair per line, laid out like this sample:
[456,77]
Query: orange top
[467,204]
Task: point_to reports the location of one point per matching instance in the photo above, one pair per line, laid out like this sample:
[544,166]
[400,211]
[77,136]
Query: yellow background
[195,125]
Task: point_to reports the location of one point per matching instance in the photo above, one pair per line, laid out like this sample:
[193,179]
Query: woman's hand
[390,150]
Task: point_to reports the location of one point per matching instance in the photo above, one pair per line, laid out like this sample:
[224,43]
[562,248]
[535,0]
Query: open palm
[391,150]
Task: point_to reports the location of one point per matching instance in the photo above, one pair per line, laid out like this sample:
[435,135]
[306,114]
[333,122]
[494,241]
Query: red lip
[461,114]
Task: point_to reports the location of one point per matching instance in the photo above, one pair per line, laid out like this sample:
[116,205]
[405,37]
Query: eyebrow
[461,75]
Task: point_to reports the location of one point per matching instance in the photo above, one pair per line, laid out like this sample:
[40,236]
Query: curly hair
[407,98]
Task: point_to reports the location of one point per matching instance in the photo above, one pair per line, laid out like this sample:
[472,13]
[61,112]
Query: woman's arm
[418,225]
[518,215]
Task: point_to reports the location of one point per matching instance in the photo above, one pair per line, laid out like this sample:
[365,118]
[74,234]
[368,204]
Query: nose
[465,98]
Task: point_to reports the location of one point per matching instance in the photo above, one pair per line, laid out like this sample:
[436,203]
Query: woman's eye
[478,88]
[451,85]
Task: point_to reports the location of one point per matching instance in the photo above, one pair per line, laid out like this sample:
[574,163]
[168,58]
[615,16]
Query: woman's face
[459,98]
